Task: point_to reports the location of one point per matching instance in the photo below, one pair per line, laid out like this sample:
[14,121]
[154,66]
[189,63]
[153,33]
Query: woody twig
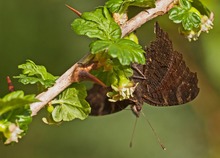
[65,80]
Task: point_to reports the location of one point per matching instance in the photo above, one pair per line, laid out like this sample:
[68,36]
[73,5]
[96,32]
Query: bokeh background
[40,31]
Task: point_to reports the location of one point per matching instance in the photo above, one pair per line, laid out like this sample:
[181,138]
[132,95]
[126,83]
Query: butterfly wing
[99,101]
[168,81]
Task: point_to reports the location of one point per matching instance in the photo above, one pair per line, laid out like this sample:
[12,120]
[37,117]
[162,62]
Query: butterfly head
[136,109]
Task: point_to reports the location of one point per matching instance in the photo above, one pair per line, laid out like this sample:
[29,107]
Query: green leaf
[24,120]
[126,51]
[98,24]
[143,3]
[176,14]
[100,46]
[71,104]
[133,37]
[191,21]
[194,16]
[201,8]
[15,100]
[115,6]
[185,4]
[185,14]
[120,6]
[32,74]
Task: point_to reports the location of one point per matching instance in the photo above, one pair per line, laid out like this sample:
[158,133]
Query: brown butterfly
[164,80]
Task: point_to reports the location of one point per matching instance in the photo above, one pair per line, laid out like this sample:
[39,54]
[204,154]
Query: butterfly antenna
[155,133]
[132,135]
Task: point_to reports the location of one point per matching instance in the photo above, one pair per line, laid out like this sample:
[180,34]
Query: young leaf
[15,115]
[15,100]
[185,14]
[176,14]
[126,51]
[191,21]
[194,16]
[33,74]
[71,104]
[115,6]
[185,4]
[120,6]
[98,24]
[24,120]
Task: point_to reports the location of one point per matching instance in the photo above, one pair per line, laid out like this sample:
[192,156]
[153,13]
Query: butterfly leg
[136,109]
[142,77]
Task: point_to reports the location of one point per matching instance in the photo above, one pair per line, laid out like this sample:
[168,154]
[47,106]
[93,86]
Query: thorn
[74,10]
[10,85]
[84,75]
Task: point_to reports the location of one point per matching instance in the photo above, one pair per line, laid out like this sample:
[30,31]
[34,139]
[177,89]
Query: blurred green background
[40,31]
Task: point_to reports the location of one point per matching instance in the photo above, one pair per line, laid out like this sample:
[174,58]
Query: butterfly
[165,80]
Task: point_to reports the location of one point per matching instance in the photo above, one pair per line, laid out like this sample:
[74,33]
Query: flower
[13,133]
[121,93]
[207,23]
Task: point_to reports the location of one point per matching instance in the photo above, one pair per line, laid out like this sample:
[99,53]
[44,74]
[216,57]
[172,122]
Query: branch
[162,7]
[61,83]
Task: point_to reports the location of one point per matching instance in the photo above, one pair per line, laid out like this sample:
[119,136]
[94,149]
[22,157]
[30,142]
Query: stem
[61,83]
[162,7]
